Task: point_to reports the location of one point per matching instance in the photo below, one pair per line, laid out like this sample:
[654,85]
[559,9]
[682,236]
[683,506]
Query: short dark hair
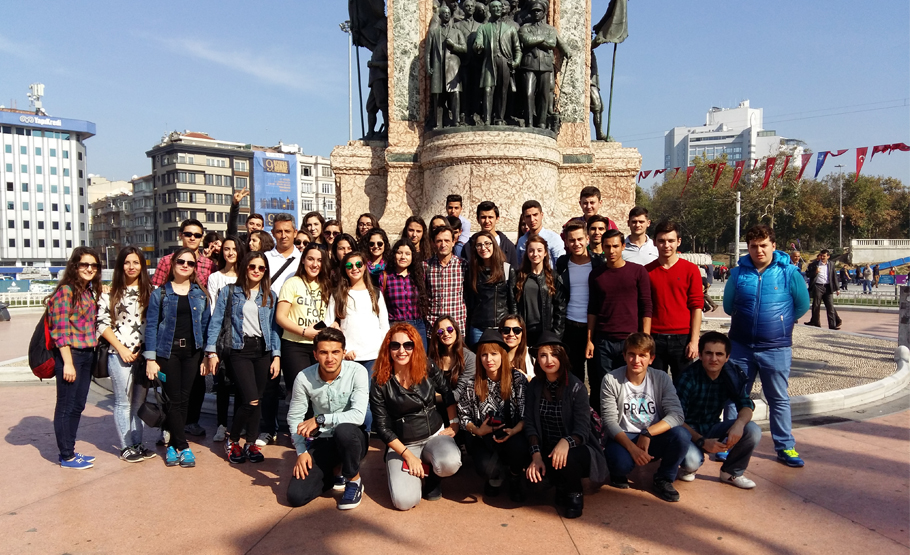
[440,229]
[589,191]
[329,334]
[454,198]
[530,204]
[454,222]
[191,221]
[760,231]
[573,226]
[610,233]
[638,211]
[594,219]
[283,217]
[823,251]
[714,337]
[255,217]
[666,226]
[486,206]
[641,341]
[210,238]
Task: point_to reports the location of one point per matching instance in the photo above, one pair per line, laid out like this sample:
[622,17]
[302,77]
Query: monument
[427,155]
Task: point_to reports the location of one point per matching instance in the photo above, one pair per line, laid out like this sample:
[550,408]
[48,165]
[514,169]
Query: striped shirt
[445,290]
[74,329]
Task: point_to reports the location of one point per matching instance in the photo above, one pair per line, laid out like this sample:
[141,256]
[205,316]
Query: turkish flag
[658,172]
[676,172]
[860,159]
[737,172]
[689,171]
[755,165]
[769,169]
[837,152]
[804,161]
[720,170]
[884,149]
[786,163]
[899,146]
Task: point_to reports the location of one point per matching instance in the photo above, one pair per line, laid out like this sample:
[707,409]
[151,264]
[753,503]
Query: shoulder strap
[283,268]
[230,306]
[160,305]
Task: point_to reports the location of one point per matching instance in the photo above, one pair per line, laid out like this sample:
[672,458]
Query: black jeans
[71,399]
[181,370]
[492,458]
[294,358]
[670,354]
[820,294]
[224,387]
[197,397]
[576,341]
[250,367]
[578,466]
[608,356]
[347,446]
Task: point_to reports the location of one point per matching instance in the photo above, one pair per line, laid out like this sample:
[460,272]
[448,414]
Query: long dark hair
[118,282]
[71,277]
[415,273]
[194,278]
[437,349]
[475,266]
[526,268]
[521,350]
[355,246]
[344,287]
[374,223]
[365,243]
[322,278]
[319,217]
[565,366]
[265,286]
[239,246]
[424,247]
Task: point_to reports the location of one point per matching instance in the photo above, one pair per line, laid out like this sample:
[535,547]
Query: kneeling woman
[255,349]
[403,398]
[558,427]
[491,407]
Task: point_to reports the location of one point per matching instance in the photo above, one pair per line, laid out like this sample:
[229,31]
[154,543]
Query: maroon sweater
[619,297]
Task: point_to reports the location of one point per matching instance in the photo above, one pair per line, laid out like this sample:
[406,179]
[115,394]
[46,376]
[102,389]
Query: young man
[764,296]
[254,222]
[822,283]
[704,390]
[453,208]
[677,301]
[590,203]
[337,391]
[573,270]
[643,419]
[619,304]
[639,248]
[445,280]
[191,234]
[532,214]
[455,224]
[488,218]
[597,225]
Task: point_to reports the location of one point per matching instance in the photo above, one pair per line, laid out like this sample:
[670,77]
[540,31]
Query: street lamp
[346,28]
[840,226]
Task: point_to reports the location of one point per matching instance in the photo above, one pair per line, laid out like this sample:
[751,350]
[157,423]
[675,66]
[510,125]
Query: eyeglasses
[485,245]
[332,233]
[364,224]
[396,346]
[506,329]
[89,265]
[185,262]
[447,329]
[191,235]
[349,265]
[255,267]
[299,243]
[376,244]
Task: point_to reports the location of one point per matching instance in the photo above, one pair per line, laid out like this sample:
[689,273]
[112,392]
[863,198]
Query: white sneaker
[265,438]
[220,433]
[739,481]
[685,476]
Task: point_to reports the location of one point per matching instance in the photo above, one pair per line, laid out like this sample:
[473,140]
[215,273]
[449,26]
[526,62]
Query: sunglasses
[184,262]
[349,265]
[301,243]
[89,265]
[332,233]
[506,329]
[256,267]
[396,346]
[447,329]
[377,244]
[191,235]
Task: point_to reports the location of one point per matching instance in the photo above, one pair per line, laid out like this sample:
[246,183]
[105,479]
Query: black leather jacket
[562,271]
[552,308]
[410,414]
[491,303]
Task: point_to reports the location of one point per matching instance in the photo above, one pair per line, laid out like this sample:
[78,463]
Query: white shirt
[638,405]
[821,278]
[577,310]
[363,330]
[555,245]
[643,255]
[217,282]
[276,261]
[465,230]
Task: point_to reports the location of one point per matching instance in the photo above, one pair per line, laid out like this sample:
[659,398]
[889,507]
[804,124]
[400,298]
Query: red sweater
[674,292]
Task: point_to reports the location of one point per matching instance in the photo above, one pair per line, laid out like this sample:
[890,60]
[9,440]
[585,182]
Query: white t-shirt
[217,282]
[363,330]
[643,255]
[638,406]
[276,261]
[821,278]
[577,310]
[306,303]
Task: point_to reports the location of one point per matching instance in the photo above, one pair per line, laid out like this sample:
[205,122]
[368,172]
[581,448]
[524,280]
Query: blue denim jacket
[267,322]
[160,338]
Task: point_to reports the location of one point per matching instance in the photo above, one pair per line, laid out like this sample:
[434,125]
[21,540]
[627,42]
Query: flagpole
[840,222]
[610,107]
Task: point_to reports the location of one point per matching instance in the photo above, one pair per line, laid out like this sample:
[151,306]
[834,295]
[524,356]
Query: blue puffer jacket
[159,339]
[267,323]
[763,307]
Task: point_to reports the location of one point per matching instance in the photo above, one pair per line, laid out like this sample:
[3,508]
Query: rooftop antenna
[36,91]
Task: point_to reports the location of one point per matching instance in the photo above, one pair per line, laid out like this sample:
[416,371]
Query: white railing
[23,300]
[905,243]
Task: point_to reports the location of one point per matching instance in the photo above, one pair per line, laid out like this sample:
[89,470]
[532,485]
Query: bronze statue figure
[538,40]
[498,43]
[378,100]
[470,64]
[597,104]
[445,43]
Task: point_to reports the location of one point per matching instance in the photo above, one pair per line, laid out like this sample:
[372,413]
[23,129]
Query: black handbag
[223,343]
[154,414]
[99,365]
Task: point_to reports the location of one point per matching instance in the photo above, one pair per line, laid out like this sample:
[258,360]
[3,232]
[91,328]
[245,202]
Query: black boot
[432,487]
[562,498]
[517,488]
[574,505]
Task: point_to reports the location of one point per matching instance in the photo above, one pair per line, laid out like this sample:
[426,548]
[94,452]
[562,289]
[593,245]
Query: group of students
[429,350]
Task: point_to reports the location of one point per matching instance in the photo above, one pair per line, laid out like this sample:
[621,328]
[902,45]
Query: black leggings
[578,466]
[491,458]
[295,357]
[181,370]
[250,367]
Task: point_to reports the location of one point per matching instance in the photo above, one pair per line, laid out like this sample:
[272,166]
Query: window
[241,182]
[9,168]
[80,156]
[23,150]
[307,206]
[53,152]
[66,154]
[216,162]
[326,171]
[25,187]
[69,244]
[9,186]
[81,226]
[24,168]
[40,243]
[81,193]
[25,206]
[66,172]
[12,243]
[8,149]
[210,198]
[10,205]
[40,209]
[55,225]
[37,151]
[56,243]
[240,165]
[38,170]
[26,243]
[40,225]
[69,226]
[80,174]
[55,207]
[53,170]
[54,189]
[11,224]
[25,224]
[209,217]
[306,171]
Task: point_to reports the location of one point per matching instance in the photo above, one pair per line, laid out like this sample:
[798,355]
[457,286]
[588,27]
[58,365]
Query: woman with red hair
[403,400]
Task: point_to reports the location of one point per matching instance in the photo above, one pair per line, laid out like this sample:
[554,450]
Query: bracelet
[453,421]
[210,355]
[535,449]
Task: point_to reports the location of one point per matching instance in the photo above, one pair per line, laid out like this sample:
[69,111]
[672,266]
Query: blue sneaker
[353,493]
[86,458]
[76,463]
[721,457]
[790,458]
[171,459]
[338,483]
[187,458]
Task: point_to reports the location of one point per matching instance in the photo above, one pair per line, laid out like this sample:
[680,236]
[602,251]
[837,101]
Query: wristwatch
[645,433]
[700,442]
[320,420]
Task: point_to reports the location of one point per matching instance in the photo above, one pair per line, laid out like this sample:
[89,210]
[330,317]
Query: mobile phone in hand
[406,468]
[320,325]
[162,376]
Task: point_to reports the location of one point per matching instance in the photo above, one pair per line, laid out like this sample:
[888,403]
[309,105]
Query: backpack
[41,351]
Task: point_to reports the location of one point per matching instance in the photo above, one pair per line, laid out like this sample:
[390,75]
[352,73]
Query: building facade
[43,172]
[108,216]
[317,186]
[140,223]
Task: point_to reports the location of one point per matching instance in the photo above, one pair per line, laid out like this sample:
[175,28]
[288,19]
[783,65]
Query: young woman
[404,288]
[260,241]
[314,222]
[121,321]
[415,230]
[375,245]
[365,223]
[179,315]
[457,364]
[438,221]
[303,239]
[490,408]
[232,252]
[403,397]
[255,349]
[330,230]
[211,244]
[514,333]
[558,426]
[489,286]
[522,227]
[538,292]
[341,246]
[72,311]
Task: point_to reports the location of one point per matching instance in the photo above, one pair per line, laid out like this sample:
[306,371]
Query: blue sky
[835,74]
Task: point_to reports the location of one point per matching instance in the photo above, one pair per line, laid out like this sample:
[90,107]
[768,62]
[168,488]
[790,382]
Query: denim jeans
[368,417]
[670,447]
[773,367]
[737,458]
[607,357]
[129,395]
[670,353]
[473,336]
[71,399]
[347,447]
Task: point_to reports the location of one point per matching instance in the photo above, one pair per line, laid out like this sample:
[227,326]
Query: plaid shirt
[400,296]
[76,329]
[471,409]
[445,289]
[204,268]
[704,400]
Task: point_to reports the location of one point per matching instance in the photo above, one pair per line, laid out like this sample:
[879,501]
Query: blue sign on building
[275,186]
